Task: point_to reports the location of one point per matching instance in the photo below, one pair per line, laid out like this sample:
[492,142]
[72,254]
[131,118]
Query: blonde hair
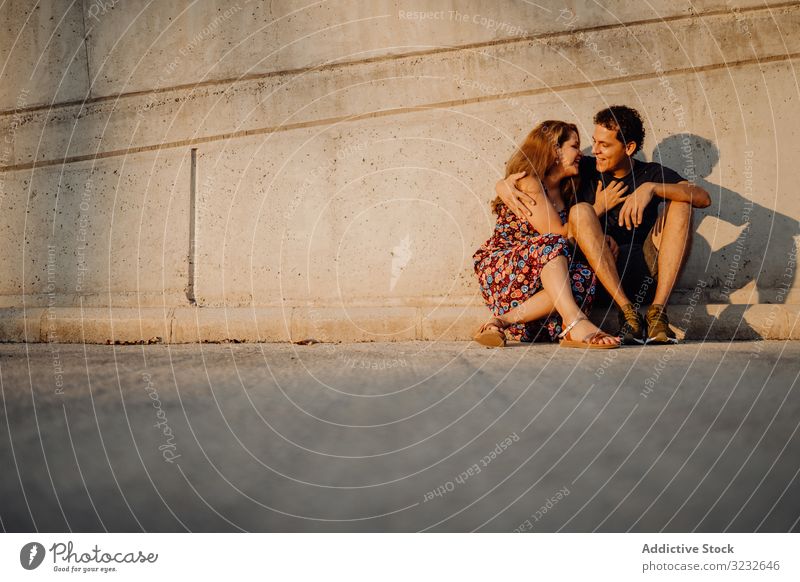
[537,154]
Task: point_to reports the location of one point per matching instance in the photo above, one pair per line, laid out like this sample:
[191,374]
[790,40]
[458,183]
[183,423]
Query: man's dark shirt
[642,172]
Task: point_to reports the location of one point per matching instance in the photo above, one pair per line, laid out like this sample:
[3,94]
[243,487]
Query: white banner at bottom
[401,557]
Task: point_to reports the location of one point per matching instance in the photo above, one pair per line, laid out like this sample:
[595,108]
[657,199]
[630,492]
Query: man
[617,224]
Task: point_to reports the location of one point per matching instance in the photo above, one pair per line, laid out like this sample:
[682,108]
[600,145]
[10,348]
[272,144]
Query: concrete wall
[346,153]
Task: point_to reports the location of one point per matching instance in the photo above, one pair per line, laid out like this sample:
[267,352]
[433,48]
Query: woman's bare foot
[586,332]
[496,323]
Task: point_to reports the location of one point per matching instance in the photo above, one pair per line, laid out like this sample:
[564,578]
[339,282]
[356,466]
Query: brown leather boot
[658,330]
[631,329]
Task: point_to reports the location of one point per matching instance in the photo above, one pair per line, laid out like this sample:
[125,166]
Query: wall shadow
[758,255]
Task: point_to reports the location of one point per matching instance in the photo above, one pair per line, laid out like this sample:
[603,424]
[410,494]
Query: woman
[525,269]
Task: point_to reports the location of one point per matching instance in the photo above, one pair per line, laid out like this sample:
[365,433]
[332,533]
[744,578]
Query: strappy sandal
[493,338]
[587,342]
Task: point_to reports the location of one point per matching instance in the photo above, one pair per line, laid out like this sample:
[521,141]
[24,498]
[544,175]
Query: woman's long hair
[537,155]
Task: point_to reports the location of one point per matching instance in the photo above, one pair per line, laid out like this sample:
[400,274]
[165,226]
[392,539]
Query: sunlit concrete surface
[319,162]
[399,437]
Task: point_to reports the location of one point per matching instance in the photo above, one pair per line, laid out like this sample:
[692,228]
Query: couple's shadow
[753,267]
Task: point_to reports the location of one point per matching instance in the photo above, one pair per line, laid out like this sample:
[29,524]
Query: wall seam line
[391,112]
[89,98]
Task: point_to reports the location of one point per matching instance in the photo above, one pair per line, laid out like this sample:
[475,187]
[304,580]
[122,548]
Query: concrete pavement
[409,436]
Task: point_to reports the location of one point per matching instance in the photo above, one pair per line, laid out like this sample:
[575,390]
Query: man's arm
[632,211]
[520,202]
[682,192]
[544,218]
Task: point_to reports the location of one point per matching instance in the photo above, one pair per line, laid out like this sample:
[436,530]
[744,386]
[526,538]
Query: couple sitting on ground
[565,220]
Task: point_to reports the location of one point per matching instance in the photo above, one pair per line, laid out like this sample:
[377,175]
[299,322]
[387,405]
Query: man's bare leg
[672,238]
[585,228]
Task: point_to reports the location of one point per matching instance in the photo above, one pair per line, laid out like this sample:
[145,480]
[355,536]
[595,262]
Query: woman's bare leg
[556,295]
[556,282]
[538,306]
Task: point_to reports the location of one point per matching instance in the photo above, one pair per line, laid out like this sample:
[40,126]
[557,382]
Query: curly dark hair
[626,121]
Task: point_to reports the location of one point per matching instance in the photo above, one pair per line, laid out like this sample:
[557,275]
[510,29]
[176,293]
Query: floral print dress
[509,266]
